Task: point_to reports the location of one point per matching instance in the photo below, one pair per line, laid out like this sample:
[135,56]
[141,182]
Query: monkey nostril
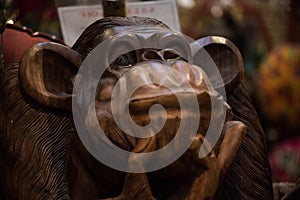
[151,55]
[171,55]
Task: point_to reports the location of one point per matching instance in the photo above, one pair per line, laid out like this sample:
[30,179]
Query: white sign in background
[74,19]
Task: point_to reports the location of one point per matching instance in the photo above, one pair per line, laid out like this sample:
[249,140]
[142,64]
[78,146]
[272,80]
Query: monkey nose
[165,55]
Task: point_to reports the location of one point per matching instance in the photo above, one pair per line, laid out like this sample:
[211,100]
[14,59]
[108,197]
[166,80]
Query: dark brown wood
[43,157]
[42,77]
[291,193]
[227,58]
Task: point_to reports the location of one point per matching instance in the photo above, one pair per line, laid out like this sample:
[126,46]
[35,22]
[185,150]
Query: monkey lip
[174,103]
[189,103]
[170,101]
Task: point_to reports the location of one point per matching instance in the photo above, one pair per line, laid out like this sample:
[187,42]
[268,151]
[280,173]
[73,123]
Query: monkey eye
[123,60]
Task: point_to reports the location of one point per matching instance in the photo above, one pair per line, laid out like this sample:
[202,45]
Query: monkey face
[143,67]
[146,67]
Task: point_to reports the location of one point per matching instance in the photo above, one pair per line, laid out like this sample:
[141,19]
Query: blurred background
[267,32]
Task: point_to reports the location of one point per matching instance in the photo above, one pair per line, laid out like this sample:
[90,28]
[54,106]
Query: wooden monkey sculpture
[42,156]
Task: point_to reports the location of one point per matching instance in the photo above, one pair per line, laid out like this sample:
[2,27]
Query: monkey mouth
[178,102]
[185,86]
[143,103]
[173,103]
[181,95]
[176,106]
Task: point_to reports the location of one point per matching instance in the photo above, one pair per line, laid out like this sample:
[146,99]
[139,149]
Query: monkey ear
[47,72]
[221,60]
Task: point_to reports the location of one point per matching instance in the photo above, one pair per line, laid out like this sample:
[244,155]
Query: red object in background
[35,8]
[285,161]
[17,39]
[37,15]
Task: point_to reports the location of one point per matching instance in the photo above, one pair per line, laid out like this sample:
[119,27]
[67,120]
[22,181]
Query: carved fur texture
[34,143]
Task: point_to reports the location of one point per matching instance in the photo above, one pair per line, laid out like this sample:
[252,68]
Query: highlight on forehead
[86,40]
